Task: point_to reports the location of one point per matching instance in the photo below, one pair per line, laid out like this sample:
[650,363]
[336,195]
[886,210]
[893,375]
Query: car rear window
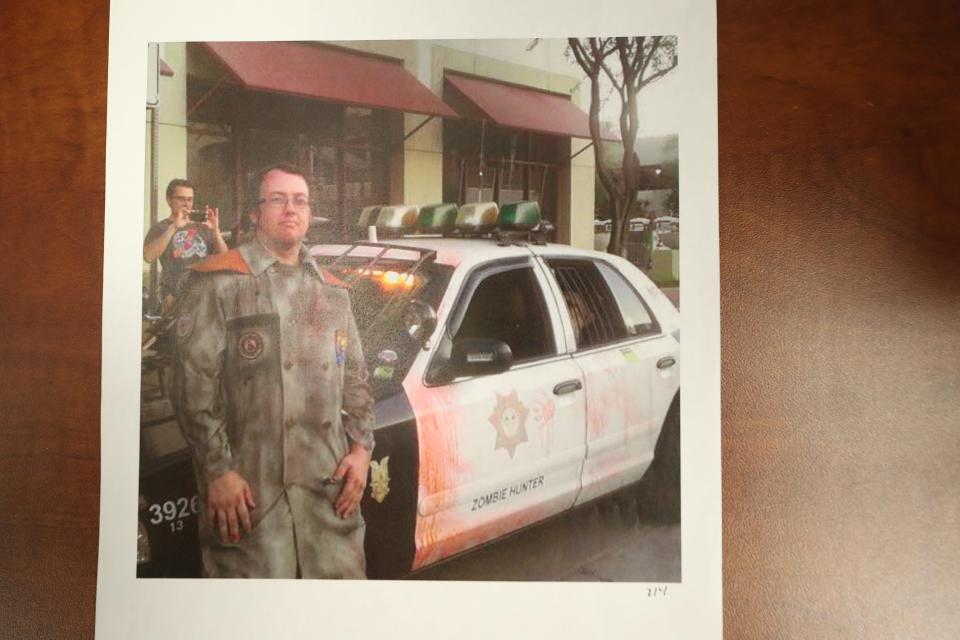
[636,316]
[593,309]
[603,307]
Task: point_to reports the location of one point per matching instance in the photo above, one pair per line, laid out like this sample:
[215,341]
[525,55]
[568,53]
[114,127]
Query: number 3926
[174,512]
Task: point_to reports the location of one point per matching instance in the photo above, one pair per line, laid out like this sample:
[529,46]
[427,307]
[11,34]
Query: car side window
[636,316]
[509,306]
[592,307]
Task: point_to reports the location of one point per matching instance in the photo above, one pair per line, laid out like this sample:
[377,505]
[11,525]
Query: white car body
[502,451]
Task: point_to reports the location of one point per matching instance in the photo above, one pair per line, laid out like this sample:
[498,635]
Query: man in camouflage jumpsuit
[272,397]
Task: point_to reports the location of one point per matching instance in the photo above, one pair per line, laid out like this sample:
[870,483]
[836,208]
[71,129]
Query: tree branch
[638,56]
[650,56]
[601,51]
[659,74]
[623,46]
[592,69]
[618,84]
[580,54]
[593,48]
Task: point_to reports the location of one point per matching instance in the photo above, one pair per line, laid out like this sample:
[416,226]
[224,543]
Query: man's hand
[213,219]
[180,217]
[213,223]
[228,500]
[353,470]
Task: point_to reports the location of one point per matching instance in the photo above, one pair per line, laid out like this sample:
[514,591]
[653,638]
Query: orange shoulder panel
[329,278]
[230,261]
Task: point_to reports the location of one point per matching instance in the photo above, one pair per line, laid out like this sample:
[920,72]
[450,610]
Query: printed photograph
[411,309]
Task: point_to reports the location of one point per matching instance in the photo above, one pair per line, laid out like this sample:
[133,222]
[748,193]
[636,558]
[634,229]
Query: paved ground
[601,542]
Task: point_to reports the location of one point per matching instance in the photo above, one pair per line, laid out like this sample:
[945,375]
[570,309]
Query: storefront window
[209,152]
[517,165]
[345,151]
[263,147]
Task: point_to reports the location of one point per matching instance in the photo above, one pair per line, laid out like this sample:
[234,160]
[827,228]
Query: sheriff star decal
[379,479]
[509,419]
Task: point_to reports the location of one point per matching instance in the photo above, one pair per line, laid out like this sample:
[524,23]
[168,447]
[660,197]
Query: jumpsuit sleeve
[357,401]
[198,367]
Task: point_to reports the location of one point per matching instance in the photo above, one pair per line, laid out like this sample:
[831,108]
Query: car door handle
[567,387]
[665,363]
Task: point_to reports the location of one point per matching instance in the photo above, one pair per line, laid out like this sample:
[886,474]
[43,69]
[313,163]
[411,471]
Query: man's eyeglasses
[279,202]
[182,199]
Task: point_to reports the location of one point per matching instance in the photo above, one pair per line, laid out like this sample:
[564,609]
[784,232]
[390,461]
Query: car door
[624,358]
[503,450]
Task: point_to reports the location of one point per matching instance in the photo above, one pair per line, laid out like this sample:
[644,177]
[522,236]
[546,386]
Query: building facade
[375,122]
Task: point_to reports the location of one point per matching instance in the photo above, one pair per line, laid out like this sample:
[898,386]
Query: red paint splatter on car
[466,535]
[440,464]
[448,257]
[544,411]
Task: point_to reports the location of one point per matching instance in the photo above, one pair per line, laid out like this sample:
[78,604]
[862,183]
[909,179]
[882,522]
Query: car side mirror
[479,357]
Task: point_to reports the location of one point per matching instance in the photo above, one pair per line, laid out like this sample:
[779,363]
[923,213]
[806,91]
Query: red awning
[517,107]
[327,73]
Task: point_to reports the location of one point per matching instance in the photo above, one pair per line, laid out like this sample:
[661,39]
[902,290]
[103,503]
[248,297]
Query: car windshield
[379,293]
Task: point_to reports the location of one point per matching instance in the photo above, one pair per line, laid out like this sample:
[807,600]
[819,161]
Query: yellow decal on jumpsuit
[379,479]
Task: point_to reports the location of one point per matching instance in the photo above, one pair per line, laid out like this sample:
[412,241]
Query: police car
[514,380]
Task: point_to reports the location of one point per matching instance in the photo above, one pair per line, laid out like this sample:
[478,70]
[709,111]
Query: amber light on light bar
[394,280]
[388,280]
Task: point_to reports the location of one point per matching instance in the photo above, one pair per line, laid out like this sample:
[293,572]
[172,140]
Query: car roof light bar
[398,217]
[368,215]
[437,218]
[519,216]
[478,217]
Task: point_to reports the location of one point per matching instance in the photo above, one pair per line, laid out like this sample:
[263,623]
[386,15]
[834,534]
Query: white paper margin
[131,608]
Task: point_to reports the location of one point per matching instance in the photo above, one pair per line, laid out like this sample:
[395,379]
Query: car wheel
[658,493]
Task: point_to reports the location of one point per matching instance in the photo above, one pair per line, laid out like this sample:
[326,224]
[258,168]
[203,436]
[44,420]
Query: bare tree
[629,64]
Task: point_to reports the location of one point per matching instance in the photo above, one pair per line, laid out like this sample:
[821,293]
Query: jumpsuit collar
[260,259]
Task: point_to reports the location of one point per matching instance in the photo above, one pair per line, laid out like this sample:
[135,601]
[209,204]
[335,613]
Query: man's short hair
[285,167]
[178,182]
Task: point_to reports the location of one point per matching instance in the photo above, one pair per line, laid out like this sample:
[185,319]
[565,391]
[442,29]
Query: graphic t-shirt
[189,244]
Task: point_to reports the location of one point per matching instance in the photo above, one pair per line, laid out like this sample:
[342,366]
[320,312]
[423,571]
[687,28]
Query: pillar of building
[171,123]
[581,191]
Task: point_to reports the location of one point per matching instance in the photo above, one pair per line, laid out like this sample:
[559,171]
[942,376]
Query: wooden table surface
[840,285]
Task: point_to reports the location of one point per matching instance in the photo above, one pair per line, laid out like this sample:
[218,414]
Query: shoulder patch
[232,261]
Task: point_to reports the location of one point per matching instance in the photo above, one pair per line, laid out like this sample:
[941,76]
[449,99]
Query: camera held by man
[200,215]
